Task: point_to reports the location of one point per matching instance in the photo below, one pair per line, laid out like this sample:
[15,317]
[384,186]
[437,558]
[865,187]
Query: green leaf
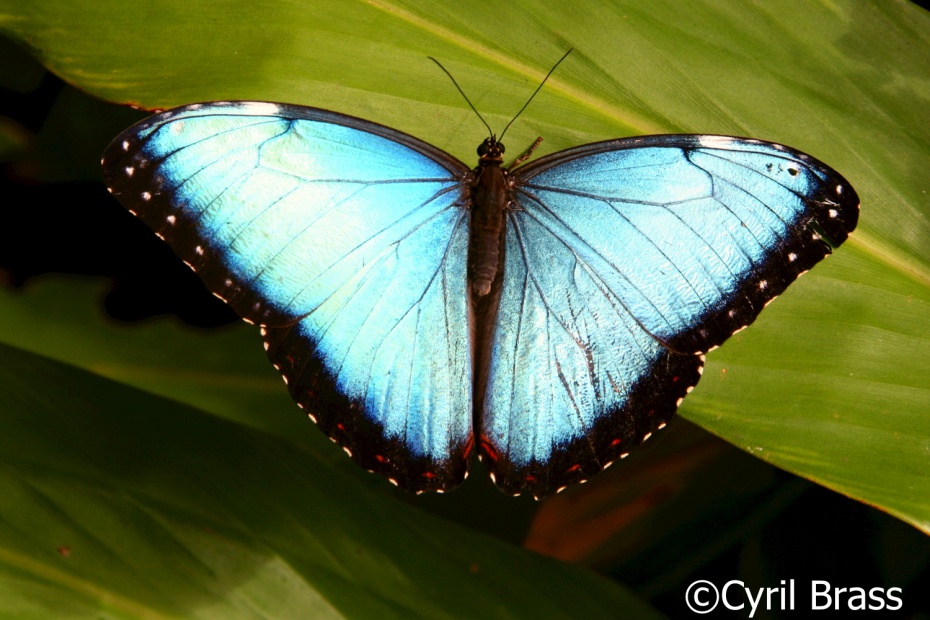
[222,371]
[837,378]
[13,139]
[119,504]
[829,382]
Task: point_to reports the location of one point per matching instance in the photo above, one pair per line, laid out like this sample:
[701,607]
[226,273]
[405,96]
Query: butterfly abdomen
[489,198]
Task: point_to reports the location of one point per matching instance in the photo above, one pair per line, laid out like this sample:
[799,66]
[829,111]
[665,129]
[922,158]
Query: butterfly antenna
[538,88]
[462,92]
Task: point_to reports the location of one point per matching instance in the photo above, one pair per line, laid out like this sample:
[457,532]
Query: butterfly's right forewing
[347,242]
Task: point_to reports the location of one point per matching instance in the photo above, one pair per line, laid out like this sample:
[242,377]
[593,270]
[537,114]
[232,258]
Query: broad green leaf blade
[222,371]
[856,415]
[848,83]
[13,139]
[118,504]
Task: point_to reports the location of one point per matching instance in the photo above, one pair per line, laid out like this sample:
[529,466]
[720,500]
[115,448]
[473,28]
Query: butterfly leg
[526,155]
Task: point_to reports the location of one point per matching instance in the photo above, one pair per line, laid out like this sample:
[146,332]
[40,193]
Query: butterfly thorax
[490,196]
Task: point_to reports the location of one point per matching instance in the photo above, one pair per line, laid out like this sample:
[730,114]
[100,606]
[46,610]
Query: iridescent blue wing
[346,241]
[625,261]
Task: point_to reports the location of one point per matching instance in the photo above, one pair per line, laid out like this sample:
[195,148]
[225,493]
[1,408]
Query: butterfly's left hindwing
[625,261]
[347,242]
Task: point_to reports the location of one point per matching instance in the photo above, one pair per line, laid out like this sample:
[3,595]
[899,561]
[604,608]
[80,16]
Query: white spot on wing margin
[260,108]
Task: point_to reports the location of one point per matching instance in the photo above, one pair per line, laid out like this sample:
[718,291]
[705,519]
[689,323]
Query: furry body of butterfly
[490,196]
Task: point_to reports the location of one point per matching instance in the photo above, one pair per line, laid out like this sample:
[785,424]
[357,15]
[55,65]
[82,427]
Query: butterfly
[549,315]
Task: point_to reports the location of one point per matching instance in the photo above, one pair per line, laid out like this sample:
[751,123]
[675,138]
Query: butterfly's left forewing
[624,262]
[346,241]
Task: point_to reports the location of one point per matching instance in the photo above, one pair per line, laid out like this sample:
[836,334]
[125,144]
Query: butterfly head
[490,152]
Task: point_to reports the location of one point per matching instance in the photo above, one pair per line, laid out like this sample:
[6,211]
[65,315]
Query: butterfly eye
[490,147]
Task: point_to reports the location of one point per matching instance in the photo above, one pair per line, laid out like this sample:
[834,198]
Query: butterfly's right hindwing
[345,241]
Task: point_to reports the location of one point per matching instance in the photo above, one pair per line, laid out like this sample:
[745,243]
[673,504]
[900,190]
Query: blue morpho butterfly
[555,311]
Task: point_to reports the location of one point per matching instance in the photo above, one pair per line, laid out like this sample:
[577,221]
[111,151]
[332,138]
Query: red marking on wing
[488,449]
